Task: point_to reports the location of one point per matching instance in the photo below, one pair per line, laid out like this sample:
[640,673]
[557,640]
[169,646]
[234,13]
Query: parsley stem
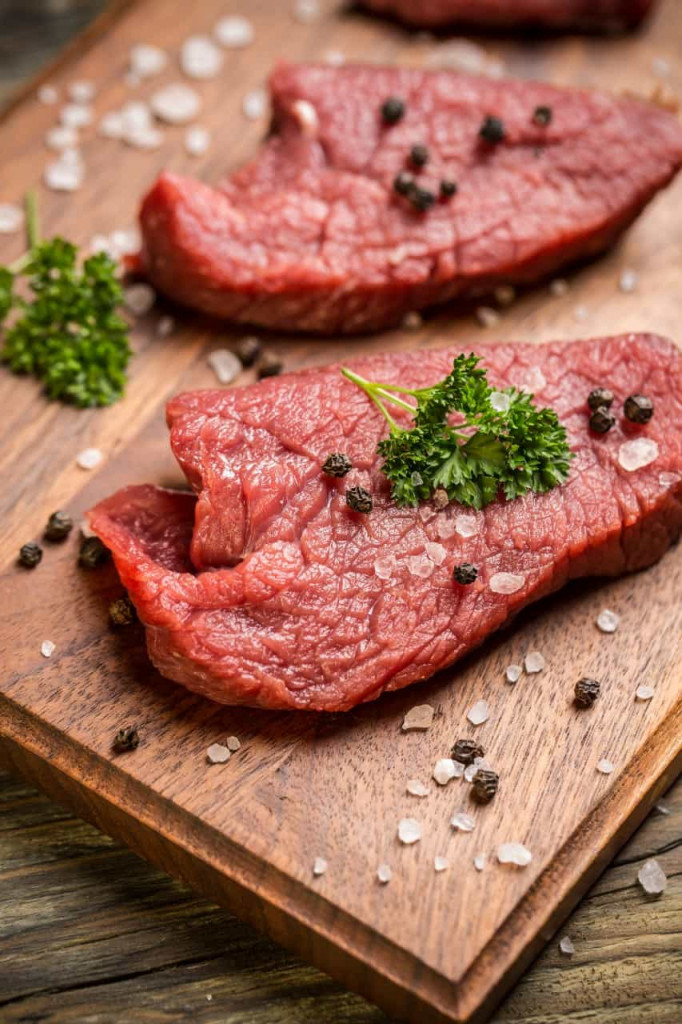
[32,233]
[376,391]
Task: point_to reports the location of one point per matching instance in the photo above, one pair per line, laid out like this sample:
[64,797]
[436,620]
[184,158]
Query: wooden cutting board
[428,946]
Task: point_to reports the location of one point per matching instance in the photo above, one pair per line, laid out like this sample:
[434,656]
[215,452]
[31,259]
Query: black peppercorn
[600,397]
[30,554]
[359,499]
[122,612]
[586,692]
[59,526]
[337,464]
[421,198]
[269,365]
[638,409]
[485,785]
[465,751]
[392,110]
[448,189]
[92,553]
[492,130]
[248,351]
[601,420]
[465,574]
[403,183]
[542,116]
[419,156]
[126,739]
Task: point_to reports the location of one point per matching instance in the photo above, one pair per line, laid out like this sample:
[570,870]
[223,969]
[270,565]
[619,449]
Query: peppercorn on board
[438,947]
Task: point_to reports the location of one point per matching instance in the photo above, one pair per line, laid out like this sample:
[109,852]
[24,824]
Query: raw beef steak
[268,590]
[605,15]
[313,236]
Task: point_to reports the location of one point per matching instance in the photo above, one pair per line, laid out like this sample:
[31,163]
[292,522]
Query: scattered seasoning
[92,553]
[359,500]
[225,365]
[608,621]
[47,648]
[467,750]
[534,662]
[586,692]
[644,692]
[499,401]
[416,788]
[465,574]
[89,458]
[392,110]
[319,866]
[419,155]
[485,785]
[48,95]
[487,316]
[217,753]
[165,327]
[126,739]
[254,104]
[581,313]
[566,946]
[634,455]
[403,183]
[337,464]
[421,198]
[440,498]
[248,350]
[480,861]
[122,612]
[441,864]
[409,831]
[234,32]
[514,853]
[662,809]
[233,744]
[11,218]
[628,281]
[139,298]
[492,130]
[446,769]
[462,822]
[197,140]
[412,321]
[200,57]
[146,60]
[448,189]
[604,766]
[59,526]
[30,554]
[601,420]
[471,769]
[384,874]
[652,878]
[419,717]
[176,103]
[558,288]
[513,673]
[506,582]
[638,409]
[269,365]
[600,398]
[542,116]
[479,713]
[306,11]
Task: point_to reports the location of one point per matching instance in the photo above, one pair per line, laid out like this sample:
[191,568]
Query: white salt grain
[176,103]
[667,479]
[47,648]
[225,365]
[409,831]
[306,11]
[197,140]
[11,218]
[147,60]
[479,713]
[480,861]
[513,673]
[89,458]
[533,380]
[48,95]
[637,454]
[499,401]
[466,526]
[462,822]
[139,298]
[234,32]
[255,104]
[506,582]
[644,692]
[217,754]
[61,137]
[581,314]
[604,766]
[487,317]
[335,58]
[384,874]
[652,878]
[471,770]
[200,57]
[144,138]
[558,288]
[319,866]
[534,662]
[165,327]
[608,621]
[384,566]
[566,946]
[418,717]
[662,809]
[419,565]
[660,67]
[63,176]
[75,115]
[306,115]
[441,863]
[416,788]
[436,552]
[233,744]
[444,771]
[81,92]
[628,281]
[514,853]
[111,125]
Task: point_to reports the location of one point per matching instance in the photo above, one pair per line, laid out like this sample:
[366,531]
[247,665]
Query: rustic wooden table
[89,932]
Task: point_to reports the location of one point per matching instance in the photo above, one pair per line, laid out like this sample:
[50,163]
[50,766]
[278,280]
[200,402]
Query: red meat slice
[604,15]
[290,600]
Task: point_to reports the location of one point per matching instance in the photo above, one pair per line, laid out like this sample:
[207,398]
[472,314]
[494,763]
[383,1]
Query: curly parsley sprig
[509,446]
[68,334]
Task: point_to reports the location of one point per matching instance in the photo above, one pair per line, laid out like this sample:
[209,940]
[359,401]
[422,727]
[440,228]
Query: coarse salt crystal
[416,788]
[255,104]
[147,60]
[47,648]
[63,176]
[176,103]
[233,743]
[319,866]
[217,754]
[436,552]
[89,458]
[662,809]
[660,67]
[487,317]
[667,479]
[234,32]
[200,57]
[445,770]
[441,863]
[499,401]
[652,878]
[418,717]
[462,822]
[637,454]
[335,58]
[628,281]
[412,321]
[384,874]
[81,92]
[384,566]
[165,327]
[225,365]
[144,138]
[514,853]
[558,288]
[306,11]
[306,115]
[139,298]
[566,946]
[11,218]
[111,125]
[506,582]
[644,692]
[534,662]
[480,861]
[471,770]
[409,831]
[581,313]
[197,140]
[479,713]
[533,380]
[513,673]
[61,137]
[445,528]
[419,565]
[608,621]
[466,526]
[75,115]
[48,95]
[135,114]
[604,766]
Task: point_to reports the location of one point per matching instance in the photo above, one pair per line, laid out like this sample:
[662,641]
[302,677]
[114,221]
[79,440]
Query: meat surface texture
[267,590]
[603,15]
[312,236]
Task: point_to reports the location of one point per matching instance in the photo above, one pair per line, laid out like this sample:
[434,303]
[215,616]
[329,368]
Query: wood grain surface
[442,947]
